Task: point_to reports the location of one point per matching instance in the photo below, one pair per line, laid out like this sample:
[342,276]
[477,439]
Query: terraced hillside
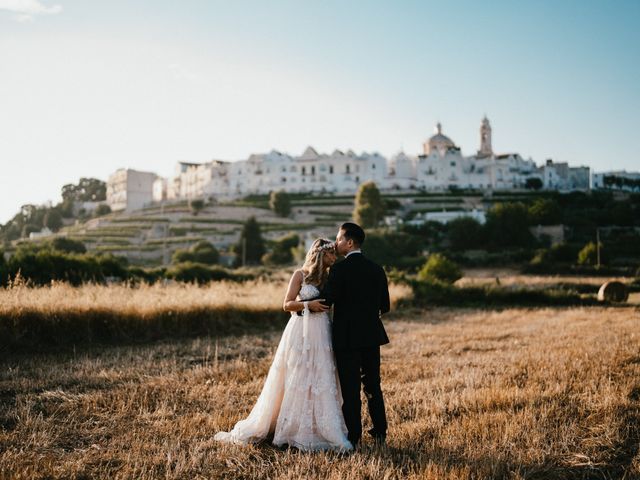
[151,235]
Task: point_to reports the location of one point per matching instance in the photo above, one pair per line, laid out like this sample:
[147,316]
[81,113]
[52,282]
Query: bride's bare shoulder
[297,276]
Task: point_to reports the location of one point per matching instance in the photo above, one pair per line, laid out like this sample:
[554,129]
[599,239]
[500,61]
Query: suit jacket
[357,288]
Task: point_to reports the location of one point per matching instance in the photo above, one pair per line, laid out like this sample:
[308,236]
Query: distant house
[130,190]
[446,217]
[45,232]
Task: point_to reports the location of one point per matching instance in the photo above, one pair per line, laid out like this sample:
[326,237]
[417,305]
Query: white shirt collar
[353,251]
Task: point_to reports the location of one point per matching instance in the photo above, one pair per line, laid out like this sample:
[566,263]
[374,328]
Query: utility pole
[598,247]
[244,251]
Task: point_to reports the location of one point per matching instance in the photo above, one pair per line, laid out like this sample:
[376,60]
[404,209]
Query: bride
[300,403]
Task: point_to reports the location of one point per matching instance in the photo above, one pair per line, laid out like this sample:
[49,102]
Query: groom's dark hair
[353,231]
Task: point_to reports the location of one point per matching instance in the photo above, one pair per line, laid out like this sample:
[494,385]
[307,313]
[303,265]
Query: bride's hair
[313,270]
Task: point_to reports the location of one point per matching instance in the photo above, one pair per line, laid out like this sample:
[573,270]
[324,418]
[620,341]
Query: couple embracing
[311,397]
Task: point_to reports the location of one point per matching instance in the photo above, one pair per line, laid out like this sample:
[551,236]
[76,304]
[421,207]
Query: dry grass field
[60,315]
[471,394]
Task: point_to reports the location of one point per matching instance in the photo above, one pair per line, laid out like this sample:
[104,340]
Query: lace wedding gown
[300,402]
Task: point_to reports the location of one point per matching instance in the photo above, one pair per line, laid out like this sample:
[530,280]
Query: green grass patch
[439,294]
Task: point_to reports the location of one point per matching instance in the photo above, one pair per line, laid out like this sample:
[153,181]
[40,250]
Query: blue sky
[87,87]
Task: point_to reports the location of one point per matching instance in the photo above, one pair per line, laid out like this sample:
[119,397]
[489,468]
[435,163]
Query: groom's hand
[317,306]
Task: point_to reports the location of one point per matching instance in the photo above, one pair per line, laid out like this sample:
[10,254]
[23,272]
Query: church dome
[438,142]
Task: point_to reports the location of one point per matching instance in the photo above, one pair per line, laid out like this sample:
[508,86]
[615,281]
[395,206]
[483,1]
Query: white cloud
[24,10]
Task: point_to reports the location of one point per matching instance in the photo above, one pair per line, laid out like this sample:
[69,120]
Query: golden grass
[59,314]
[510,277]
[147,299]
[519,393]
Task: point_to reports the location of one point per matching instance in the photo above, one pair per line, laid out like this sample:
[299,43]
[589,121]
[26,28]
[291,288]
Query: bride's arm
[290,303]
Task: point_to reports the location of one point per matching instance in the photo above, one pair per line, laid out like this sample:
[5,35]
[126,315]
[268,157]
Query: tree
[533,183]
[508,225]
[280,203]
[281,253]
[53,220]
[545,211]
[464,233]
[440,269]
[392,249]
[250,247]
[87,190]
[369,206]
[196,205]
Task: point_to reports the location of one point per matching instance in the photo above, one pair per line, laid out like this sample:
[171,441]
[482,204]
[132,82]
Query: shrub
[196,205]
[588,255]
[439,268]
[201,252]
[44,265]
[558,253]
[393,249]
[197,273]
[68,245]
[112,266]
[533,183]
[544,211]
[465,233]
[102,209]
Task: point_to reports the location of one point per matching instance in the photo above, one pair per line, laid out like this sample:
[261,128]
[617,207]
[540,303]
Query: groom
[357,288]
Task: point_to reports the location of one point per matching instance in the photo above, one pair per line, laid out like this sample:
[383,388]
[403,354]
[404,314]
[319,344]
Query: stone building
[130,190]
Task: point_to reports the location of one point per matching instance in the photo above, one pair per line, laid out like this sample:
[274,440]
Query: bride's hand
[317,306]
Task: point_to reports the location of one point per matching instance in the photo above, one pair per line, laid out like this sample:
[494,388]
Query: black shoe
[380,439]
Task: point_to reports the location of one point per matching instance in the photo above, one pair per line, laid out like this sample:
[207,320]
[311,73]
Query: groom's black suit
[357,288]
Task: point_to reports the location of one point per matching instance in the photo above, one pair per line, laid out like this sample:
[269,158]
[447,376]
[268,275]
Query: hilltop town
[440,167]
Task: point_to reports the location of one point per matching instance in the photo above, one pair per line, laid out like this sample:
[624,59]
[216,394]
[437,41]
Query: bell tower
[485,138]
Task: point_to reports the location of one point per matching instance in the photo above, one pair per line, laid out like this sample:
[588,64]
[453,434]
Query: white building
[446,217]
[130,189]
[620,180]
[560,176]
[441,166]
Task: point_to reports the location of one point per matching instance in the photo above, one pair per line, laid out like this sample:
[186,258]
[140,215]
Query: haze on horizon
[88,87]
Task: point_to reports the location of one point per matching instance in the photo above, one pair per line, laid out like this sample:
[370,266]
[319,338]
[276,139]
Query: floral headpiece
[325,247]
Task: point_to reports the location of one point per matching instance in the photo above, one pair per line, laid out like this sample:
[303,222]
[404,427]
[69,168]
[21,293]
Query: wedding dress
[300,402]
